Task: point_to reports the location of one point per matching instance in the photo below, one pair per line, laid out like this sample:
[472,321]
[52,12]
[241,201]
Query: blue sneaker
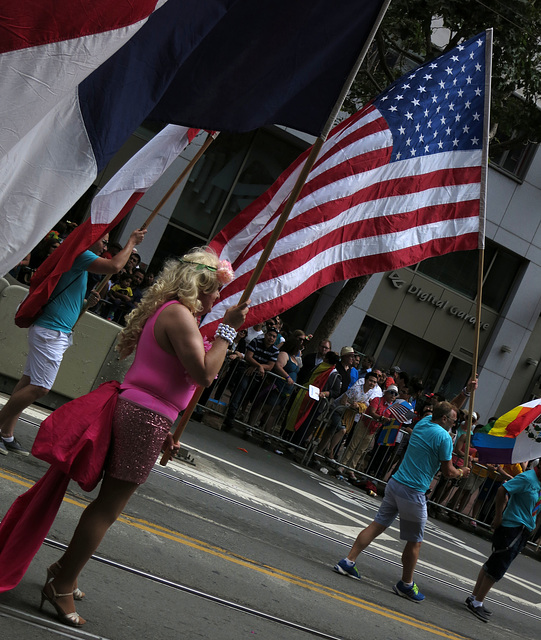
[411,593]
[345,569]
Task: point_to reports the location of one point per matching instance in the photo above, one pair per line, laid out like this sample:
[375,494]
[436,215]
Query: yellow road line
[175,536]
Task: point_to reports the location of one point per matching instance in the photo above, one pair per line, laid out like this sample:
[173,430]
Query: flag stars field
[448,92]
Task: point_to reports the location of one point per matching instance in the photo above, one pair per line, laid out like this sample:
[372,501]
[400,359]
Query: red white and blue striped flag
[116,199]
[77,78]
[402,411]
[398,182]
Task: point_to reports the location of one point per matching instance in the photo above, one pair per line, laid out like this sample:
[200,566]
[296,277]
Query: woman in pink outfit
[171,359]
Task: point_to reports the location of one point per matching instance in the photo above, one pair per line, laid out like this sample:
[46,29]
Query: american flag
[397,182]
[402,411]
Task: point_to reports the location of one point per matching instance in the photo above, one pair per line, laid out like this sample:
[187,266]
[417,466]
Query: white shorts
[45,352]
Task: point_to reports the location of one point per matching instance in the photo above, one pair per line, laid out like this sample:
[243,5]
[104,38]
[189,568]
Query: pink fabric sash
[75,440]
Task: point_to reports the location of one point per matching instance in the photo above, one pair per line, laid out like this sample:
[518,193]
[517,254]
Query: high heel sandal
[72,619]
[51,575]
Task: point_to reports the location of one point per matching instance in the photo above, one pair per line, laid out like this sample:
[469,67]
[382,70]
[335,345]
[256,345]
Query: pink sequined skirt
[137,439]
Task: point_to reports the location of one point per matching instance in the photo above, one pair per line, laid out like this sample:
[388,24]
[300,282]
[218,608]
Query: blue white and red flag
[76,81]
[398,182]
[109,206]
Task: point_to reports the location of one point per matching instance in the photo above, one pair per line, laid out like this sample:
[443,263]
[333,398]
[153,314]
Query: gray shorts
[409,504]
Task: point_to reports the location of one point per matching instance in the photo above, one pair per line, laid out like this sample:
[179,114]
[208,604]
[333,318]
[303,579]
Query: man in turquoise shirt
[50,335]
[429,450]
[517,507]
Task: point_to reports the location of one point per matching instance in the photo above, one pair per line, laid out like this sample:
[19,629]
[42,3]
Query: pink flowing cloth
[75,440]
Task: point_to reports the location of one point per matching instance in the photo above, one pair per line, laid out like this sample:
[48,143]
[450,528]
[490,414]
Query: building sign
[429,298]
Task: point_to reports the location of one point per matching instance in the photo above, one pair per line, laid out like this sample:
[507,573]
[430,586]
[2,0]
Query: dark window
[370,335]
[516,160]
[234,171]
[458,271]
[456,376]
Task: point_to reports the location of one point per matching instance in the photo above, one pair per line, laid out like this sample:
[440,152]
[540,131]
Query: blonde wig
[181,279]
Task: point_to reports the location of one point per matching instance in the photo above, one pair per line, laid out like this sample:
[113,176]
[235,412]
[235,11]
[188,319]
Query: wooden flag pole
[475,352]
[210,138]
[253,280]
[295,192]
[482,220]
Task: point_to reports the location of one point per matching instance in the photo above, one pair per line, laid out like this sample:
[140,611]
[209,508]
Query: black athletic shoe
[470,599]
[15,447]
[479,612]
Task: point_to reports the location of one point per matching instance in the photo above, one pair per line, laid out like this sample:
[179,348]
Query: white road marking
[267,500]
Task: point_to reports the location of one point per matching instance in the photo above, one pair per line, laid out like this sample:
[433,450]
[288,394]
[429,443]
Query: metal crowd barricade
[473,502]
[263,405]
[263,412]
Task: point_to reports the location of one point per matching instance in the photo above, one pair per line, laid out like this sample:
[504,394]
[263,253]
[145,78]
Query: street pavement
[241,544]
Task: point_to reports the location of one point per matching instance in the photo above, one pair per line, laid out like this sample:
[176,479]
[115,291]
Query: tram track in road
[313,532]
[263,615]
[49,626]
[325,536]
[200,594]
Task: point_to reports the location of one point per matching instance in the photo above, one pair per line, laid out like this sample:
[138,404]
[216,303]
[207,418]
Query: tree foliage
[415,31]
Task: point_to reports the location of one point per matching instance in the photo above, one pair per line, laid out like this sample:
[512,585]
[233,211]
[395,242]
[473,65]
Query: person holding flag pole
[56,302]
[51,333]
[294,194]
[165,322]
[517,507]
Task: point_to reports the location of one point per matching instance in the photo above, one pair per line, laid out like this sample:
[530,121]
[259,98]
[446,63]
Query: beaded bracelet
[226,332]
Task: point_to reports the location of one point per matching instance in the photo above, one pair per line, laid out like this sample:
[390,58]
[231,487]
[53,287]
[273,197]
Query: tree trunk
[337,310]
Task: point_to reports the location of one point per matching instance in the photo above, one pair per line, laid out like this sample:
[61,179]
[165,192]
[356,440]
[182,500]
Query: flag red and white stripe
[402,411]
[45,53]
[376,199]
[109,206]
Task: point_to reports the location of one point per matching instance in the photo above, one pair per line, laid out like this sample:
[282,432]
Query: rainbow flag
[515,437]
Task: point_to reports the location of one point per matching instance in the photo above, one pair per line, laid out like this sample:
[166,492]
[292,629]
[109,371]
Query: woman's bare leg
[93,525]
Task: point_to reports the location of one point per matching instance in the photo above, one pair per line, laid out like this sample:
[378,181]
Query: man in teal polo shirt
[50,335]
[517,506]
[429,450]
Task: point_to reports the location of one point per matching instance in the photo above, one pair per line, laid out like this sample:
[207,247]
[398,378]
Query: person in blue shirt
[430,449]
[50,335]
[516,509]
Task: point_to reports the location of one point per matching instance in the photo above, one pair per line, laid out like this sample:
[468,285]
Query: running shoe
[479,612]
[15,447]
[345,569]
[469,601]
[411,593]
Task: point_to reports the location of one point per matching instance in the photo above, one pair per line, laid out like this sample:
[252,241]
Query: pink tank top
[157,380]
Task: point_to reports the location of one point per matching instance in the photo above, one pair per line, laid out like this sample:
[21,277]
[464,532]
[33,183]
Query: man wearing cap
[429,450]
[517,507]
[392,377]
